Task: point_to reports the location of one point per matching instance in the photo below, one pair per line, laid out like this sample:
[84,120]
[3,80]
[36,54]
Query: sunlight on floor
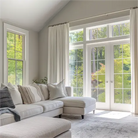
[114,115]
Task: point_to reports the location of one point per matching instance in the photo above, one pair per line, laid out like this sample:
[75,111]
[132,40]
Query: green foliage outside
[14,55]
[122,66]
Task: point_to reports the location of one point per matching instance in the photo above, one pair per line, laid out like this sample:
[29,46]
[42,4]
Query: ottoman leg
[93,111]
[60,116]
[82,116]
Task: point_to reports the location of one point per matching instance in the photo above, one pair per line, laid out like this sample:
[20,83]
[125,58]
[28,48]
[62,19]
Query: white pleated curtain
[134,58]
[58,53]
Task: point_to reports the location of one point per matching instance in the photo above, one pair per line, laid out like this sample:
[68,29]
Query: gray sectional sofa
[51,108]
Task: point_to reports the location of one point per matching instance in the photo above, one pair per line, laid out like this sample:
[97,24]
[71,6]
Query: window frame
[25,53]
[86,43]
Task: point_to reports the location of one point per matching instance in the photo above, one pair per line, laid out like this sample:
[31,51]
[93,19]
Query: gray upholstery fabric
[44,91]
[5,98]
[56,91]
[50,105]
[80,102]
[35,127]
[28,110]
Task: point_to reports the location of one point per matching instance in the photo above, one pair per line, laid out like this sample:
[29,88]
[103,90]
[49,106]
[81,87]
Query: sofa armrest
[69,90]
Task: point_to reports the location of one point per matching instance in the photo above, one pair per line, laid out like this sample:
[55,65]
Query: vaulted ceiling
[30,14]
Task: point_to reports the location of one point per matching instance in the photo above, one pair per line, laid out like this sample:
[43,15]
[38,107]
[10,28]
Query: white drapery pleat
[134,58]
[58,53]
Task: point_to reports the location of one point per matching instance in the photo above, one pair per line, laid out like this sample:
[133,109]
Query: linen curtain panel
[58,53]
[134,58]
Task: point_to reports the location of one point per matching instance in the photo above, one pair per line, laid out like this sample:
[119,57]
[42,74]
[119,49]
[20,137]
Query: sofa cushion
[56,90]
[44,90]
[39,91]
[29,94]
[5,98]
[28,110]
[50,105]
[15,94]
[80,102]
[35,127]
[6,118]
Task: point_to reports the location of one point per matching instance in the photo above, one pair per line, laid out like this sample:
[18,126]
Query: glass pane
[76,55]
[79,80]
[10,52]
[118,66]
[101,95]
[126,51]
[19,43]
[127,96]
[94,93]
[76,71]
[97,33]
[101,67]
[75,92]
[118,51]
[118,96]
[18,55]
[94,82]
[93,66]
[126,80]
[101,52]
[76,36]
[79,92]
[10,39]
[19,72]
[11,72]
[127,66]
[101,81]
[94,54]
[117,81]
[73,80]
[121,29]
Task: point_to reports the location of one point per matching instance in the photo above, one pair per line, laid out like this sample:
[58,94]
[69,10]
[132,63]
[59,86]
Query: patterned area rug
[104,124]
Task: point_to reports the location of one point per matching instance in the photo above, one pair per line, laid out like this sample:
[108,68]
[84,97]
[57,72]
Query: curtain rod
[105,14]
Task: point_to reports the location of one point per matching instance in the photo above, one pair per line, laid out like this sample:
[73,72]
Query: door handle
[106,81]
[112,81]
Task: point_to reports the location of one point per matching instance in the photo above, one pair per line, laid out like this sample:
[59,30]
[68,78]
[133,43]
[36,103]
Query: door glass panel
[98,73]
[122,74]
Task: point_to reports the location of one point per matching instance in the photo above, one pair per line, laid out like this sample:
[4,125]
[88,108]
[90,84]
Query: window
[76,36]
[120,29]
[122,74]
[76,71]
[15,45]
[16,53]
[97,33]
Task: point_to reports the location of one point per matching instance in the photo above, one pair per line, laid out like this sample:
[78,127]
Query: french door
[109,75]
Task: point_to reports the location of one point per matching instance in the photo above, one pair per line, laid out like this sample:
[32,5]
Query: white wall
[78,10]
[33,54]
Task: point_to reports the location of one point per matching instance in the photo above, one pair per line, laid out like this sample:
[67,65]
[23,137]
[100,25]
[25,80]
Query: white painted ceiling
[30,14]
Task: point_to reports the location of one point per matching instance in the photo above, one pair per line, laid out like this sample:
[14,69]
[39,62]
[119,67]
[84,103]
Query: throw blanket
[12,111]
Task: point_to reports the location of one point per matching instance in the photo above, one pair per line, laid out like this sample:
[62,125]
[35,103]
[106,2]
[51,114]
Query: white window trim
[7,28]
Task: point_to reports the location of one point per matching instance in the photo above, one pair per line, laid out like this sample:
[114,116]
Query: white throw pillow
[44,91]
[29,94]
[15,94]
[56,91]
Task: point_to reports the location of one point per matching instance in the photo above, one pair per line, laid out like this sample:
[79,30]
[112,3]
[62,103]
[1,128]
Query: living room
[68,68]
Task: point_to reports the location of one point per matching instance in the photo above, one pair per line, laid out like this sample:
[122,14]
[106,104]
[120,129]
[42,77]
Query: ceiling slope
[30,14]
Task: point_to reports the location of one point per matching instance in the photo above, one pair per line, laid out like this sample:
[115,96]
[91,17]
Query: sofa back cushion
[44,91]
[29,94]
[39,91]
[14,92]
[56,91]
[5,98]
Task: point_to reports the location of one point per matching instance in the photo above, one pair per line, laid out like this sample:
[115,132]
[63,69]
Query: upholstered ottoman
[78,105]
[37,127]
